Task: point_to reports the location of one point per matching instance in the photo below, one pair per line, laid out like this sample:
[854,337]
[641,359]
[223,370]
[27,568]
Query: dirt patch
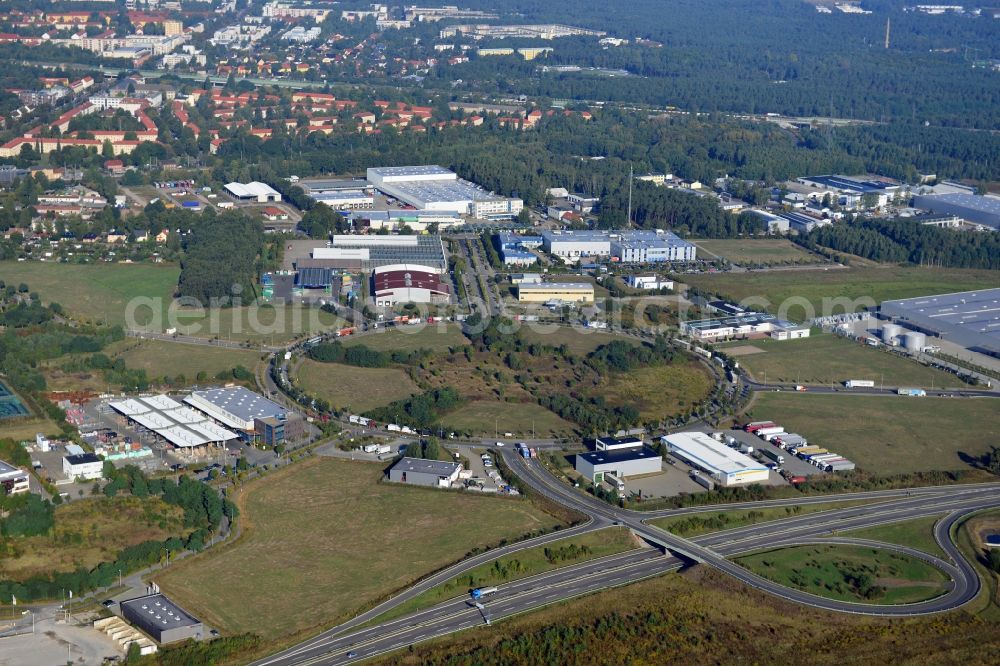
[743,350]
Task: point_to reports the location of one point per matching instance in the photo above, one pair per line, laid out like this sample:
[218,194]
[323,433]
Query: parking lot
[794,466]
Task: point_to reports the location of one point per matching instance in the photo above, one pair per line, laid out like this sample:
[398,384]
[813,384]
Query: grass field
[103,292]
[27,428]
[917,533]
[523,564]
[160,358]
[705,523]
[359,389]
[861,286]
[435,337]
[90,531]
[484,418]
[324,538]
[95,292]
[828,359]
[889,434]
[579,342]
[659,391]
[763,250]
[832,571]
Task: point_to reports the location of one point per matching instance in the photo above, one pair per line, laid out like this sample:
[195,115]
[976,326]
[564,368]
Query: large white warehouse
[726,466]
[438,189]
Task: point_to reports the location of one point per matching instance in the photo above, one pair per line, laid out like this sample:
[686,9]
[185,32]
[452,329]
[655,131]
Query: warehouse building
[967,318]
[749,325]
[13,480]
[243,410]
[648,282]
[161,619]
[563,292]
[850,191]
[983,210]
[255,191]
[420,472]
[623,463]
[187,430]
[513,248]
[368,252]
[83,466]
[726,466]
[617,443]
[394,220]
[408,283]
[637,246]
[437,188]
[346,200]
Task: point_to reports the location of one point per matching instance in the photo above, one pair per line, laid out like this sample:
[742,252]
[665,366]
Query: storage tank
[890,332]
[914,341]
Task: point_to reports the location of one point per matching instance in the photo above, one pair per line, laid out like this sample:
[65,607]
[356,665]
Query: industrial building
[513,248]
[850,191]
[648,282]
[800,222]
[967,318]
[748,325]
[408,283]
[437,188]
[726,466]
[420,472]
[617,443]
[626,462]
[83,466]
[243,410]
[396,219]
[13,480]
[186,429]
[255,191]
[638,246]
[984,210]
[368,252]
[565,292]
[346,199]
[161,619]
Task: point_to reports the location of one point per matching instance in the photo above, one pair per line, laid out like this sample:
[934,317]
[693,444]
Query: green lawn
[889,434]
[917,533]
[324,539]
[708,522]
[759,250]
[359,389]
[834,572]
[522,564]
[579,342]
[859,287]
[95,292]
[438,338]
[484,418]
[825,358]
[171,359]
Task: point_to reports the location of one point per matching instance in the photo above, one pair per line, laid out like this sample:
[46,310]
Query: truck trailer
[773,455]
[913,392]
[770,430]
[859,383]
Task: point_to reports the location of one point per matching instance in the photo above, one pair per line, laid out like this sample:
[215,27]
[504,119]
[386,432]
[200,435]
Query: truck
[481,592]
[370,448]
[524,451]
[840,466]
[800,388]
[746,449]
[533,452]
[913,392]
[392,427]
[859,383]
[804,451]
[614,482]
[703,480]
[770,430]
[288,356]
[382,449]
[776,457]
[757,425]
[788,440]
[344,332]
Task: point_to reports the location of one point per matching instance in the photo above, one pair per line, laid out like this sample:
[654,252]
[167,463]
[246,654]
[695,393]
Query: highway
[527,594]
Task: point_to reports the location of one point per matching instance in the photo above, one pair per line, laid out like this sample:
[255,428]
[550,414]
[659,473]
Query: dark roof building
[161,619]
[408,283]
[417,471]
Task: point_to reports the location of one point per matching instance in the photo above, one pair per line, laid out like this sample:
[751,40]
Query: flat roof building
[745,325]
[967,318]
[420,472]
[161,619]
[83,466]
[436,188]
[372,251]
[543,292]
[726,466]
[632,461]
[13,480]
[235,406]
[617,443]
[627,246]
[183,428]
[983,210]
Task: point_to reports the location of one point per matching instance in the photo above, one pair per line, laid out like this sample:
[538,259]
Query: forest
[222,259]
[897,241]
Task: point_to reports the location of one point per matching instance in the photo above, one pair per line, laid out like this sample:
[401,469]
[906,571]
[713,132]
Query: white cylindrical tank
[890,332]
[914,341]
